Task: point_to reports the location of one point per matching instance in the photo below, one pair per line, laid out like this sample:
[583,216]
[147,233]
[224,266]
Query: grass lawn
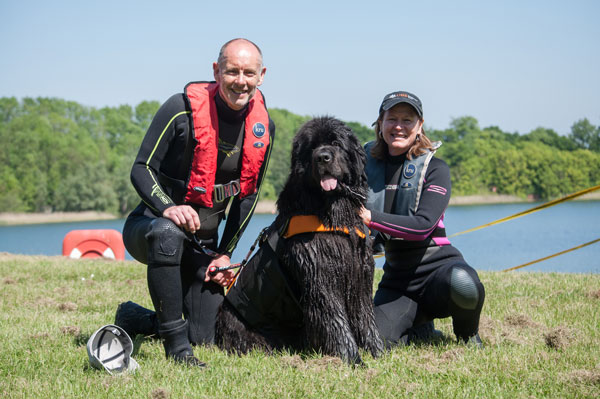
[541,331]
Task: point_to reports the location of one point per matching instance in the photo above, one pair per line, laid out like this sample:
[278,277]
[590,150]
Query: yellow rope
[552,256]
[528,211]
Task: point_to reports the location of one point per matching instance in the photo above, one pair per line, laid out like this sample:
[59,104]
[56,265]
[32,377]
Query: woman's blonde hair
[419,147]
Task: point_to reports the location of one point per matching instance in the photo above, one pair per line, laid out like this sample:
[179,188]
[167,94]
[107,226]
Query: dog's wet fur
[331,271]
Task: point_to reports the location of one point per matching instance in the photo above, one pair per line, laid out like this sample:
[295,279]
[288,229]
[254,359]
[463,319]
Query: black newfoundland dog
[309,287]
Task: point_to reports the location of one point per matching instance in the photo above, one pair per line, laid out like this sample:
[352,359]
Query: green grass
[541,332]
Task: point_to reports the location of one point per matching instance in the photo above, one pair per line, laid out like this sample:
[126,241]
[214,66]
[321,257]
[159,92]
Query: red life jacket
[206,131]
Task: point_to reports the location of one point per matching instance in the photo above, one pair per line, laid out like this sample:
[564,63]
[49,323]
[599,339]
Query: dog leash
[359,195]
[198,243]
[214,270]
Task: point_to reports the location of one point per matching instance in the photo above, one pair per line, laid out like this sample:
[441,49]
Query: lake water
[497,247]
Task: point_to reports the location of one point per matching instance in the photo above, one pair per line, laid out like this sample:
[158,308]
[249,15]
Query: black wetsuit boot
[136,320]
[177,345]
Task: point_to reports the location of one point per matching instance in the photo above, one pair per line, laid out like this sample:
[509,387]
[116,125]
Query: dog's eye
[336,143]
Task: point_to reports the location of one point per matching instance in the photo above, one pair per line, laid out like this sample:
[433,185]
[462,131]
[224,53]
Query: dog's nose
[324,156]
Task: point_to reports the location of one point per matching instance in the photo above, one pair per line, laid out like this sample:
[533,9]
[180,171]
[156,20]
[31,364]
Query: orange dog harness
[312,224]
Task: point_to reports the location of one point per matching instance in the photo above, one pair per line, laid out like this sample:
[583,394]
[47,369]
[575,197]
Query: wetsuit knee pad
[465,288]
[165,242]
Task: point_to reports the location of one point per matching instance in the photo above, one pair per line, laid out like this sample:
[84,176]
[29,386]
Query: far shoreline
[263,207]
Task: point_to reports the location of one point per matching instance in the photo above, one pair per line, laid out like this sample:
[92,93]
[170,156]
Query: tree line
[59,155]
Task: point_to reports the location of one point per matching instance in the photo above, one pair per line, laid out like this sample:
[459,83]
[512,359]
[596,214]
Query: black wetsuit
[163,153]
[425,277]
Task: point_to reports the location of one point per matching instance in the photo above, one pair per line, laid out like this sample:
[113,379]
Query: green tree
[585,135]
[10,193]
[88,189]
[144,112]
[363,133]
[9,108]
[550,138]
[60,155]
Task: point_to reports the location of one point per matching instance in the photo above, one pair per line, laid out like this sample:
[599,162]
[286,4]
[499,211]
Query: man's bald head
[237,40]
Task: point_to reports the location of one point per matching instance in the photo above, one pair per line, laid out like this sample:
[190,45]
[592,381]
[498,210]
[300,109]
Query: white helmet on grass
[110,348]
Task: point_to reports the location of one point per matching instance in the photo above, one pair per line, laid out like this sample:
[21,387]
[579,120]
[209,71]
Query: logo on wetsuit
[158,192]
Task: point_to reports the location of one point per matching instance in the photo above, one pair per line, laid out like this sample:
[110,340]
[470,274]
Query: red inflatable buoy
[94,244]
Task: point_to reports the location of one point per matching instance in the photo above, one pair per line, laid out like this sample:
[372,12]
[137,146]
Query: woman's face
[400,126]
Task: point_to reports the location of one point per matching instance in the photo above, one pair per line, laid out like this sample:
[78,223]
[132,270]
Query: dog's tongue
[328,183]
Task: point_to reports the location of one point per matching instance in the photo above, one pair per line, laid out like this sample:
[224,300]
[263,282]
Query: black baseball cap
[398,97]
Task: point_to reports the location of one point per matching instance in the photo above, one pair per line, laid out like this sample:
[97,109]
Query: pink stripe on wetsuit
[429,215]
[408,234]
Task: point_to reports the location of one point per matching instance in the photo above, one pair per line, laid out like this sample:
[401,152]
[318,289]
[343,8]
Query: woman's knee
[466,290]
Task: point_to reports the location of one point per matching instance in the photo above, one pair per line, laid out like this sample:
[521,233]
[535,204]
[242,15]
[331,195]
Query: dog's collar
[312,224]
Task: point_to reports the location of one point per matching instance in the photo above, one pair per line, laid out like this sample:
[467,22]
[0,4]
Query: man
[205,148]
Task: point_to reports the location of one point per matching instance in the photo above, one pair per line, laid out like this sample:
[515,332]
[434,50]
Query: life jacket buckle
[223,191]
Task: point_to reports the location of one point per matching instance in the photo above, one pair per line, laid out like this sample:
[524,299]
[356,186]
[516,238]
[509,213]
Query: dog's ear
[297,166]
[356,156]
[291,199]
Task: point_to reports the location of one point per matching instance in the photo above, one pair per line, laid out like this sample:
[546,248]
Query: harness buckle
[223,191]
[218,193]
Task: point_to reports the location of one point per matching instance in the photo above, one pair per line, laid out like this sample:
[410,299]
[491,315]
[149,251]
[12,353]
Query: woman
[424,277]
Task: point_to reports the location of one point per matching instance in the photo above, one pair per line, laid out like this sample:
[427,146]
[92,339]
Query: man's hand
[223,278]
[183,216]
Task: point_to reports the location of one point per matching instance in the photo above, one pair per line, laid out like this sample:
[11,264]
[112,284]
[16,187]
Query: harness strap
[312,224]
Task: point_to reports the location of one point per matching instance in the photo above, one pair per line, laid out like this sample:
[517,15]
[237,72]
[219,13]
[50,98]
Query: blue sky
[514,64]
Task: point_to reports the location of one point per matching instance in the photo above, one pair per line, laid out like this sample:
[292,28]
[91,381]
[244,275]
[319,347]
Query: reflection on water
[494,248]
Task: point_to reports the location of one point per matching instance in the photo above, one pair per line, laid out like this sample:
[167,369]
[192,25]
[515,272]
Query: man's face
[239,73]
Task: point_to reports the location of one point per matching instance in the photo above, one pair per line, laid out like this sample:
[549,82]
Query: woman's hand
[365,215]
